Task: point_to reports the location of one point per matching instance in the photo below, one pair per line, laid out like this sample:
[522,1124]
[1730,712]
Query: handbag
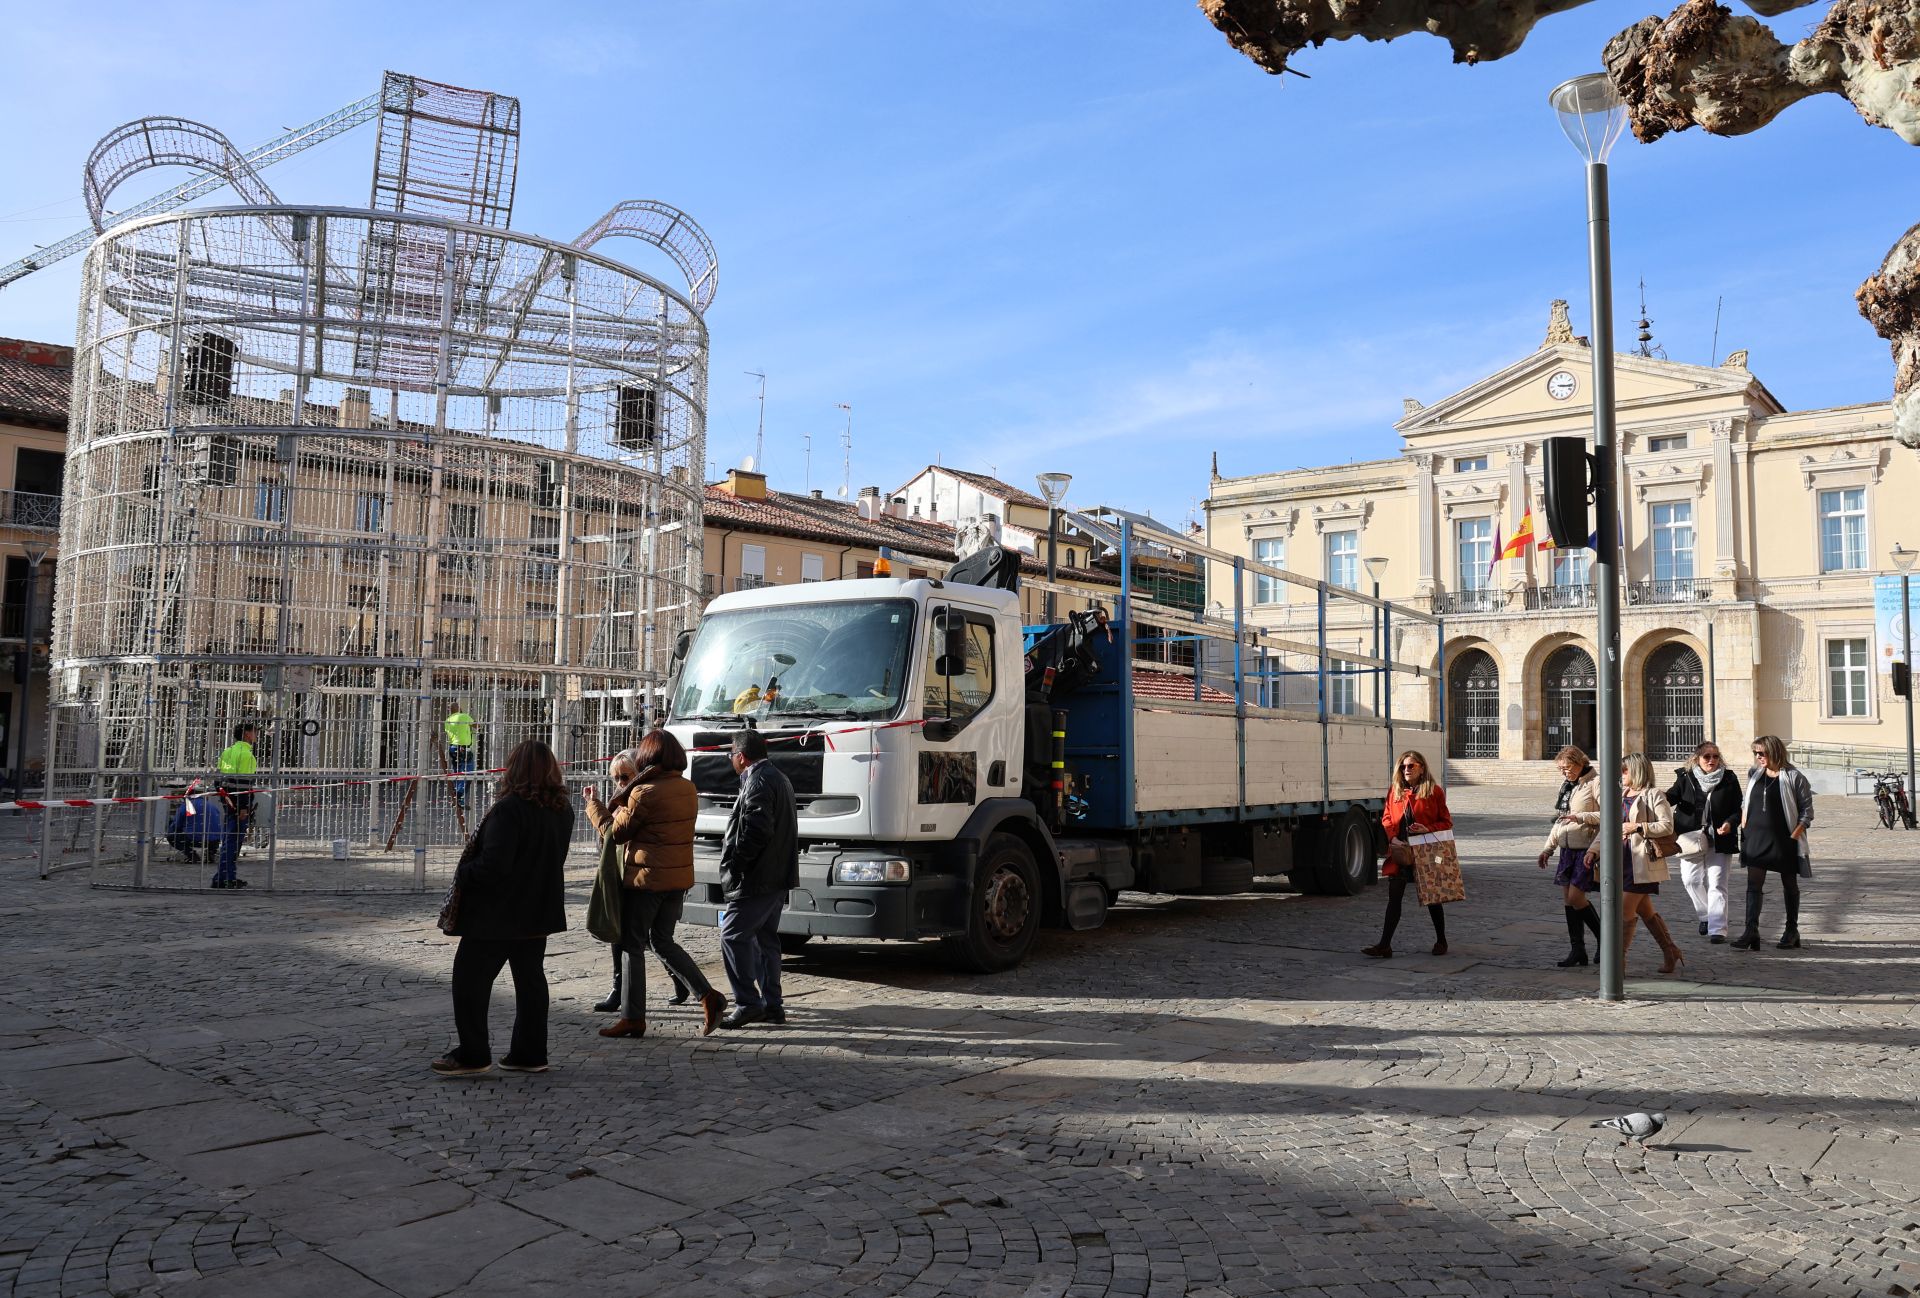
[1661,846]
[1399,857]
[604,916]
[449,918]
[1695,842]
[1436,869]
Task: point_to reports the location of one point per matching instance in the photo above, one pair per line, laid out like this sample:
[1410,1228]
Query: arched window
[1473,706]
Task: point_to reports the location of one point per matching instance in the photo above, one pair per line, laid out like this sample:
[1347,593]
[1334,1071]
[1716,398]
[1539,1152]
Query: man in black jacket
[759,863]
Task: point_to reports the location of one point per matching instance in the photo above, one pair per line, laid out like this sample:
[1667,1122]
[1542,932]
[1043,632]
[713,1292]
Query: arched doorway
[1676,703]
[1473,706]
[1569,704]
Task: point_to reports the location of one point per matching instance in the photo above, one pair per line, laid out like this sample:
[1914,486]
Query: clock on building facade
[1561,385]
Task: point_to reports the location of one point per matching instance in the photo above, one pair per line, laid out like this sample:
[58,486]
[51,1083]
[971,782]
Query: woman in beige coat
[1576,821]
[1646,818]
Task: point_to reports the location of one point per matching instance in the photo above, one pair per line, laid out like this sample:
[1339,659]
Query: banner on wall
[1889,622]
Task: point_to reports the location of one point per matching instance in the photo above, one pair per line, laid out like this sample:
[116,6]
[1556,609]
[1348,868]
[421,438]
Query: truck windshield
[820,660]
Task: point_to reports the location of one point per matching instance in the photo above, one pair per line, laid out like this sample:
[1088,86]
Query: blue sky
[1084,235]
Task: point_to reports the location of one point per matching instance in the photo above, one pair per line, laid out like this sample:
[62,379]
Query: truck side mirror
[953,649]
[682,643]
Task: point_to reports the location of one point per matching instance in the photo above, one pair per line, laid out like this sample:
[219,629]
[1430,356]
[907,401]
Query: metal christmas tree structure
[345,471]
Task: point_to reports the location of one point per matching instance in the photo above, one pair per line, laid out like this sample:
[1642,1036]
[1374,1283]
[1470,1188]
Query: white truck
[962,777]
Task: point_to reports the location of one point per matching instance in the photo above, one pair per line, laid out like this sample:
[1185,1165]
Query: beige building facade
[1752,539]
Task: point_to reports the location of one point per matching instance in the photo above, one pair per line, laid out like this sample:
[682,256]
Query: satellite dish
[841,491]
[746,463]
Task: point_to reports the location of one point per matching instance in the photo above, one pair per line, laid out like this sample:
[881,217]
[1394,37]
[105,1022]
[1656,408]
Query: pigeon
[1635,1126]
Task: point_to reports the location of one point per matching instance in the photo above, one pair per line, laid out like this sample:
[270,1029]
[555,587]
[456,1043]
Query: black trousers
[647,920]
[476,965]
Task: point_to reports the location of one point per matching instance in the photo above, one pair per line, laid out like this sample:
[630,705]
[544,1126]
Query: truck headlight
[873,872]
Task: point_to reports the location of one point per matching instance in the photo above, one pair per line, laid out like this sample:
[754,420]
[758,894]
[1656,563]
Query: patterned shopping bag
[1436,869]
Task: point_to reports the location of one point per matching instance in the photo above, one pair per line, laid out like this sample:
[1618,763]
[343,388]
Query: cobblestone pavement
[225,1094]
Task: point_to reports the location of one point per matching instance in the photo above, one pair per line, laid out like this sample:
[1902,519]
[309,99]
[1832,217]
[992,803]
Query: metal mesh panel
[273,518]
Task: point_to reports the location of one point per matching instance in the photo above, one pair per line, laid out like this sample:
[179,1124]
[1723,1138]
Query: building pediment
[1557,380]
[1846,466]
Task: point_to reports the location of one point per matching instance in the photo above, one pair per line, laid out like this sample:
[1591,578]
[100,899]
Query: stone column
[1726,569]
[1518,503]
[1424,484]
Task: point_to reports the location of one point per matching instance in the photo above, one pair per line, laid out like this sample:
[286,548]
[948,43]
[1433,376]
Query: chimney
[356,409]
[819,494]
[744,484]
[869,503]
[897,507]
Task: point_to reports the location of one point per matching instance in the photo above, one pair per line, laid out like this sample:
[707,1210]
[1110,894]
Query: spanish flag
[1516,547]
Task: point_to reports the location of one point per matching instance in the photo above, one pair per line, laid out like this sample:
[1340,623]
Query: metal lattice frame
[273,512]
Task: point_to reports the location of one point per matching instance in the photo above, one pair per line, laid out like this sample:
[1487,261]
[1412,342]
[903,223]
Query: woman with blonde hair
[1416,804]
[1576,821]
[1647,842]
[1776,814]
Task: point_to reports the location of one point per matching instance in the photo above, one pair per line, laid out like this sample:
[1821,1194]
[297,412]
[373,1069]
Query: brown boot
[626,1028]
[1668,947]
[712,1006]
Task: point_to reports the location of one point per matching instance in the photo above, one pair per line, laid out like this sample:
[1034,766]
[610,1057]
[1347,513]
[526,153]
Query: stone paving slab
[1207,1096]
[440,1254]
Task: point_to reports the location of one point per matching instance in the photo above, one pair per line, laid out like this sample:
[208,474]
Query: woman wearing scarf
[1706,816]
[1576,822]
[1777,813]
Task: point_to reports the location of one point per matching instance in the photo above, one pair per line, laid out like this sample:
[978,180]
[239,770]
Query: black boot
[1749,940]
[1790,940]
[611,1005]
[1576,937]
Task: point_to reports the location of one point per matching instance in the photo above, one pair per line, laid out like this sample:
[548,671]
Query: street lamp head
[1053,486]
[1903,558]
[1591,113]
[1375,565]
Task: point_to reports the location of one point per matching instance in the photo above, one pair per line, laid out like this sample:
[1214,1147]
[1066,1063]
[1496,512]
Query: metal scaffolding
[344,472]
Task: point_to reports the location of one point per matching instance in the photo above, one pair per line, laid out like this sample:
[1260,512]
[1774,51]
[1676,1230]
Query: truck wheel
[1221,876]
[1003,914]
[791,943]
[1346,860]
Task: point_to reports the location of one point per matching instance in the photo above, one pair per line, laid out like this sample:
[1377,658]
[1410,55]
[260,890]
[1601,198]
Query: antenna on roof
[760,433]
[1646,347]
[806,441]
[1715,358]
[846,450]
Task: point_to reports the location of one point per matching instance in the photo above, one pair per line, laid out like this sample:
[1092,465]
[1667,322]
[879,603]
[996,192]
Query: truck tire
[1221,876]
[1346,856]
[1003,912]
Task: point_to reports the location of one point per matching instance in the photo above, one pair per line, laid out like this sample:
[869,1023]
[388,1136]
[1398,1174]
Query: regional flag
[1516,547]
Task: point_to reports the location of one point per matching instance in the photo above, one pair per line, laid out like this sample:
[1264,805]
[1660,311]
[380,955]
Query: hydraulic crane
[275,150]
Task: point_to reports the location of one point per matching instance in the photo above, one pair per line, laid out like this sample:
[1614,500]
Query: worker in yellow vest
[459,731]
[235,785]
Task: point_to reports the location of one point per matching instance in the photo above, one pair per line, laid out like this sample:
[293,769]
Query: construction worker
[235,786]
[459,730]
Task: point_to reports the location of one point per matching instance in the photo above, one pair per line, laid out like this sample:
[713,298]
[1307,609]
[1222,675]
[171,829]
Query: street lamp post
[1903,559]
[1376,566]
[1593,116]
[1053,489]
[36,555]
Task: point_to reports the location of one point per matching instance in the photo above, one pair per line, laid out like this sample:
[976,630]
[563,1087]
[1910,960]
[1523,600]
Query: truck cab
[897,710]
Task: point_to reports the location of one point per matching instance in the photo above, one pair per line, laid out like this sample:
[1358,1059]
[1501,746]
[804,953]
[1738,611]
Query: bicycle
[1890,798]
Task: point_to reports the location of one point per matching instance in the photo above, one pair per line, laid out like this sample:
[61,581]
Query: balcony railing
[749,582]
[1556,597]
[1488,600]
[1675,590]
[30,509]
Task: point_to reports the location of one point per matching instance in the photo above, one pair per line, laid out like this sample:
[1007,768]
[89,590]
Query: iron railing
[1557,597]
[30,509]
[1674,590]
[1487,600]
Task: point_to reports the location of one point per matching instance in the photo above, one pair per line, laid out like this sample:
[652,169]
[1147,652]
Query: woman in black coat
[511,890]
[1706,801]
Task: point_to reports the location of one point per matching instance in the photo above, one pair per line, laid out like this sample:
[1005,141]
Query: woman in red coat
[1415,805]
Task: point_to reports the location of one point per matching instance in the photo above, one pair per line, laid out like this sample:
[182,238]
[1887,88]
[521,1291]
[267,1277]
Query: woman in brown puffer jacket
[652,820]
